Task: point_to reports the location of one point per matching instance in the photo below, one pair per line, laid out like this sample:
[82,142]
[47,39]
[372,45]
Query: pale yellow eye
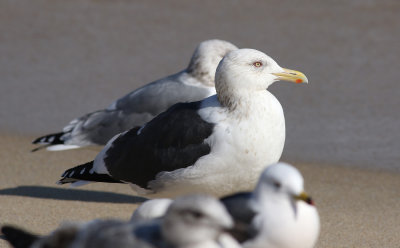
[257,64]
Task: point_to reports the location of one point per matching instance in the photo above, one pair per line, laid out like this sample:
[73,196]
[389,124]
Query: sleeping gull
[195,221]
[277,213]
[139,106]
[219,145]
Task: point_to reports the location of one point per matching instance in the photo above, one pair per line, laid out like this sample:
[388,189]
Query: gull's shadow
[71,194]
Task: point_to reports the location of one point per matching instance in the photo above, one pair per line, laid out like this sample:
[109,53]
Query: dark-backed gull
[218,145]
[278,213]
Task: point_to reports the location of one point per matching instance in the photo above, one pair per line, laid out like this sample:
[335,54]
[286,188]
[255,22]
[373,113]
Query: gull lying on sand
[218,145]
[139,106]
[277,214]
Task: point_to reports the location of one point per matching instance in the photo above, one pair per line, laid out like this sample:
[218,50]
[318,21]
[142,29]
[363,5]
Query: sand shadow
[71,194]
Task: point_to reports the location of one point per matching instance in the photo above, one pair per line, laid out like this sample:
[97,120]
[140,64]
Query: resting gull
[139,106]
[277,214]
[218,145]
[195,221]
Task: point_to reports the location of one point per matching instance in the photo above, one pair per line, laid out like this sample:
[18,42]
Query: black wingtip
[18,238]
[52,139]
[85,172]
[66,180]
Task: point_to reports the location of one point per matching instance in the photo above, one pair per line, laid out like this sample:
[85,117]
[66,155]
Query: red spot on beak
[298,81]
[310,201]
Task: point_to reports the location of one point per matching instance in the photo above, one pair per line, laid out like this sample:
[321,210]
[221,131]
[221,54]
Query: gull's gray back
[135,109]
[194,83]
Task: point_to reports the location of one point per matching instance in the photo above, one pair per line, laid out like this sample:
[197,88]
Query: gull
[218,145]
[194,221]
[143,104]
[277,214]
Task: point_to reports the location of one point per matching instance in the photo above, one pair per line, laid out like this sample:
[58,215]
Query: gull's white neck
[247,103]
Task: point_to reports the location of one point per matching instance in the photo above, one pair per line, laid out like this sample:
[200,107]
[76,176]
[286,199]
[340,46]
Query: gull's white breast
[242,144]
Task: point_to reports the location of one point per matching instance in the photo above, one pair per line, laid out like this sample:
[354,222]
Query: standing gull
[136,108]
[219,145]
[195,221]
[277,214]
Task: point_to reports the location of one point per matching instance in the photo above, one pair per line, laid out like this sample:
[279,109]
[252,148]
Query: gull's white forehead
[246,56]
[207,205]
[283,173]
[200,203]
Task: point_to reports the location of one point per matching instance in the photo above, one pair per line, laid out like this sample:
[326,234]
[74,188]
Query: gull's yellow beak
[292,76]
[304,197]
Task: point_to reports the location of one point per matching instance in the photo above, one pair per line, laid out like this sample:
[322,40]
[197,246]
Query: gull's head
[249,70]
[195,218]
[206,57]
[281,181]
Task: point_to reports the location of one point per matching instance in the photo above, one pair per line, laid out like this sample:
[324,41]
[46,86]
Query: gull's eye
[257,64]
[196,214]
[277,185]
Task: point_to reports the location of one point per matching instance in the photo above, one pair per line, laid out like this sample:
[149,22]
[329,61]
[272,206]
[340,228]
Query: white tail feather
[61,147]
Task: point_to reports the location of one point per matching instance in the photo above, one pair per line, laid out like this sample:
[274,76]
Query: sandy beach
[62,59]
[358,208]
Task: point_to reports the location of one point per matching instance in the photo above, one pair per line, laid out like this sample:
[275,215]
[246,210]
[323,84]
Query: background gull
[277,213]
[139,106]
[191,221]
[219,145]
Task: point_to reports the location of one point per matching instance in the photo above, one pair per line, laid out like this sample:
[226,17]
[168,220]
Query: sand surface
[358,208]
